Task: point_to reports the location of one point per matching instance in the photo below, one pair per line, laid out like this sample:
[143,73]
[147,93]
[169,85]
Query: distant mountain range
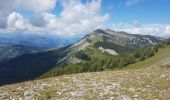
[9,51]
[13,45]
[31,65]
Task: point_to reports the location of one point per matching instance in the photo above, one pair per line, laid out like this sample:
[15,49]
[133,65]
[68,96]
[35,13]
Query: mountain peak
[109,31]
[100,31]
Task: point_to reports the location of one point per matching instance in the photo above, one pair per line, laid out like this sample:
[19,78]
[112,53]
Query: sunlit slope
[163,56]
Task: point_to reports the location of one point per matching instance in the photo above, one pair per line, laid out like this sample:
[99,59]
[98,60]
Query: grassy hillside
[99,61]
[159,58]
[97,58]
[151,83]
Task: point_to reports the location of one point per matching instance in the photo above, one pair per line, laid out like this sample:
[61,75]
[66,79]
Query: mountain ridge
[35,64]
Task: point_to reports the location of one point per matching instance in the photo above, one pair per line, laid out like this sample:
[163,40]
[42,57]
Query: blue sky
[74,17]
[147,11]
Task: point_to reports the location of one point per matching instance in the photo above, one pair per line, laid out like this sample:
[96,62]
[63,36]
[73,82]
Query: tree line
[95,64]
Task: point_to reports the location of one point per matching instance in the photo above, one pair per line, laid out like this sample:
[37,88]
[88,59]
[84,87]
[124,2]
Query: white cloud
[161,30]
[12,20]
[38,6]
[75,17]
[8,6]
[76,10]
[80,17]
[144,30]
[136,23]
[15,21]
[167,30]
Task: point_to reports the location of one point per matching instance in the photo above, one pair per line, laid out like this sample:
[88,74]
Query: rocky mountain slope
[116,37]
[30,66]
[150,82]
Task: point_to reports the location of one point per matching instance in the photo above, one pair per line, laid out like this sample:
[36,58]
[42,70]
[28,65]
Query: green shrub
[81,55]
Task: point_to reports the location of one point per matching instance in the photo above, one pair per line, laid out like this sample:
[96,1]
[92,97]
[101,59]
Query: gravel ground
[152,83]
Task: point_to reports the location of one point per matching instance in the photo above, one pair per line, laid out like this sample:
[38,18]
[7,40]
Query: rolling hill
[105,42]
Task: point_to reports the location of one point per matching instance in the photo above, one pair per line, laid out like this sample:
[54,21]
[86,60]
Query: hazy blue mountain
[41,41]
[9,51]
[13,45]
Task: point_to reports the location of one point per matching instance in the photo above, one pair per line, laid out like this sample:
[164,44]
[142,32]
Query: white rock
[112,52]
[124,97]
[135,96]
[111,98]
[162,76]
